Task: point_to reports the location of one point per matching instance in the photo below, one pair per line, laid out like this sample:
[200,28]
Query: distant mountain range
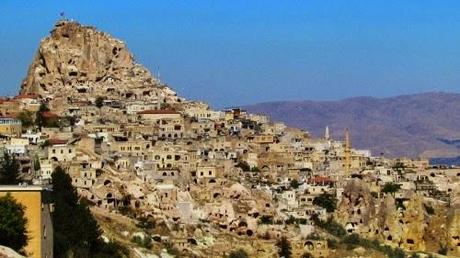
[426,124]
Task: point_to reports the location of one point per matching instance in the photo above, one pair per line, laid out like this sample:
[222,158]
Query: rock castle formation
[78,63]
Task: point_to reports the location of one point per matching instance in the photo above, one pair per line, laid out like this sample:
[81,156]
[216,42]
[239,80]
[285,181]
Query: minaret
[326,134]
[347,150]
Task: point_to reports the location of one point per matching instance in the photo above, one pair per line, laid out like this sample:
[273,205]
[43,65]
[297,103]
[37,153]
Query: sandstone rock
[79,63]
[453,230]
[6,252]
[356,210]
[389,228]
[413,224]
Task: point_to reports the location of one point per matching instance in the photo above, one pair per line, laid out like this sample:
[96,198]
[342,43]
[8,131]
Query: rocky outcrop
[6,252]
[390,229]
[413,223]
[356,210]
[400,223]
[453,228]
[453,232]
[80,63]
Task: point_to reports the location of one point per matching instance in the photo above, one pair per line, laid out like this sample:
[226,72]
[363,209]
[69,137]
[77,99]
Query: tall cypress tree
[9,170]
[75,229]
[284,247]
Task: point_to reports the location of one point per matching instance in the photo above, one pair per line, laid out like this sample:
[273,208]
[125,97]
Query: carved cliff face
[453,230]
[402,225]
[80,62]
[390,229]
[413,224]
[357,207]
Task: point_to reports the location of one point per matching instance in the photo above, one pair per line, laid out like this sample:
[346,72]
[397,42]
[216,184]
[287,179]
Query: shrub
[255,169]
[332,243]
[351,241]
[238,254]
[331,227]
[145,242]
[443,250]
[27,118]
[243,165]
[146,223]
[429,209]
[307,255]
[294,183]
[265,219]
[99,102]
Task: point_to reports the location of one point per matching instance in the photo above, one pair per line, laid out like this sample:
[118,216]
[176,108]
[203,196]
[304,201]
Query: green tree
[294,183]
[238,254]
[40,120]
[36,163]
[9,170]
[266,219]
[284,247]
[26,118]
[351,240]
[99,102]
[75,230]
[326,201]
[390,188]
[12,223]
[243,165]
[43,108]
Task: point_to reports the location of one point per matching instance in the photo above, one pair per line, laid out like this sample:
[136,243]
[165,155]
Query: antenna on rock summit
[158,73]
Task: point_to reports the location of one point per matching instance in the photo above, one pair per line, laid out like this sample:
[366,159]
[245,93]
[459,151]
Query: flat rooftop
[23,188]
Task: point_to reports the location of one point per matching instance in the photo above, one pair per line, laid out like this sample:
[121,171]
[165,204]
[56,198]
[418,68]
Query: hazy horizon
[241,53]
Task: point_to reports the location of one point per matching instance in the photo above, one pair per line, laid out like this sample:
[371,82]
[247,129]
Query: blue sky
[239,52]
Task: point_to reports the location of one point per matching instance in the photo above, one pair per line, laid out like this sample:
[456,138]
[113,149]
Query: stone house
[60,151]
[10,127]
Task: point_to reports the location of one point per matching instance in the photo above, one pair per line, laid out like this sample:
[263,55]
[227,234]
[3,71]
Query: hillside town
[210,182]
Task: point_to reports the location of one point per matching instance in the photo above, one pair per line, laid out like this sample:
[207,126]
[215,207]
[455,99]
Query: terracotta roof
[8,116]
[320,180]
[27,96]
[48,114]
[8,101]
[153,112]
[57,142]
